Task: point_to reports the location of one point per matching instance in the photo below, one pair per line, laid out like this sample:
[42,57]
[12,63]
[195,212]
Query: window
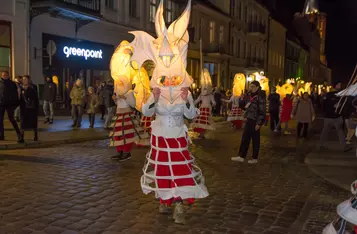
[244,49]
[249,50]
[221,34]
[234,12]
[238,48]
[171,9]
[235,45]
[133,9]
[153,6]
[253,52]
[239,10]
[5,46]
[110,4]
[212,26]
[246,13]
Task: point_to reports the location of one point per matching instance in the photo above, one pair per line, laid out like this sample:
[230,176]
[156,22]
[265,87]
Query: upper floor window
[221,34]
[238,48]
[110,4]
[212,31]
[133,9]
[235,46]
[244,49]
[153,7]
[239,10]
[246,13]
[171,9]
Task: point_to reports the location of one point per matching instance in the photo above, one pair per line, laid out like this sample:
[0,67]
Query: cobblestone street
[78,189]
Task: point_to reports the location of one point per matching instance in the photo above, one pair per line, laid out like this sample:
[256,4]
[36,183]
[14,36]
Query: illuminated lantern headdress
[264,84]
[120,68]
[239,84]
[206,82]
[142,88]
[168,51]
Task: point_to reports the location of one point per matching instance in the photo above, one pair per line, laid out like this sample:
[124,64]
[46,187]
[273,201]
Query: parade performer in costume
[126,129]
[236,113]
[346,222]
[204,121]
[170,171]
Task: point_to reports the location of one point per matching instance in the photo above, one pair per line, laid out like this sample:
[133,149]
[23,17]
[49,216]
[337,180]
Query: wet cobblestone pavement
[78,189]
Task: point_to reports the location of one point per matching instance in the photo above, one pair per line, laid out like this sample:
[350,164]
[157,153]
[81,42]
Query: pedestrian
[333,119]
[274,108]
[100,91]
[49,98]
[109,103]
[18,81]
[254,105]
[305,114]
[285,114]
[9,100]
[204,121]
[29,105]
[351,120]
[218,100]
[77,95]
[92,105]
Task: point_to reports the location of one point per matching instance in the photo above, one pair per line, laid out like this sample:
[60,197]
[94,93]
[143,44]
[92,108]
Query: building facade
[276,52]
[211,25]
[14,37]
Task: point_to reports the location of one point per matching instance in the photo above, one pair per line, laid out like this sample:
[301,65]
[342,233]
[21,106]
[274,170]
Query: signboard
[71,53]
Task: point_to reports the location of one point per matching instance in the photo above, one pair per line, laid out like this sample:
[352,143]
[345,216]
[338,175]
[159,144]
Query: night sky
[341,41]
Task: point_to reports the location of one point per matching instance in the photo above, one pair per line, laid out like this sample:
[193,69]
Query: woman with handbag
[28,109]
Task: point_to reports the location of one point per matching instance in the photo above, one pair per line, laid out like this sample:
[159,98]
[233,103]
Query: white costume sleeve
[191,112]
[147,111]
[197,100]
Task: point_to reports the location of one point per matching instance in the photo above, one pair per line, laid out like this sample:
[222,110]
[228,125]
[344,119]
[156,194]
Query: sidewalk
[54,134]
[332,164]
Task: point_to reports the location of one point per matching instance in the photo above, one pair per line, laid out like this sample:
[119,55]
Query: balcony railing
[255,62]
[80,5]
[256,28]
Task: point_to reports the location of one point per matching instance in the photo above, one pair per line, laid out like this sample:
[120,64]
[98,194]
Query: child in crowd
[92,106]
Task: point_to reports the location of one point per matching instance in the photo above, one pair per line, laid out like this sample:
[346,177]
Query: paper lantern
[264,84]
[142,88]
[206,82]
[239,82]
[284,90]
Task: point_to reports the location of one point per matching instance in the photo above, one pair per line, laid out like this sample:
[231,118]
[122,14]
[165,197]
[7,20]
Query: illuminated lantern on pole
[239,84]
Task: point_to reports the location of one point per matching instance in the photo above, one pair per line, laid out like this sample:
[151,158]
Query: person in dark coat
[218,99]
[49,98]
[29,104]
[108,93]
[274,109]
[100,91]
[9,100]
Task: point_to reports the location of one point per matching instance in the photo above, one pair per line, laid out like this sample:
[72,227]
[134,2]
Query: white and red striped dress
[170,171]
[204,120]
[236,113]
[126,128]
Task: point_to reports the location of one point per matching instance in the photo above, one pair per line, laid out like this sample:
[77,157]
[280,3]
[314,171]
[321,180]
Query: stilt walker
[346,222]
[169,171]
[126,128]
[204,121]
[235,116]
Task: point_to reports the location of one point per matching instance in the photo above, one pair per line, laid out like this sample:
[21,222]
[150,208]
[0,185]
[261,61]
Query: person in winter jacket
[77,95]
[18,82]
[9,100]
[333,118]
[101,99]
[274,108]
[29,104]
[305,114]
[49,98]
[109,103]
[92,106]
[254,104]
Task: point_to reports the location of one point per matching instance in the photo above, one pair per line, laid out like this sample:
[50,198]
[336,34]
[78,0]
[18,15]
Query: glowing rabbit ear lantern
[168,51]
[308,87]
[120,68]
[239,84]
[206,82]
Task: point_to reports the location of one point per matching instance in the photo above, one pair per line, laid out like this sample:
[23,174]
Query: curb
[48,144]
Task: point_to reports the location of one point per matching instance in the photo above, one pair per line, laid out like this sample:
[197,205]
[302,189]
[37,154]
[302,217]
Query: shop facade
[14,53]
[67,59]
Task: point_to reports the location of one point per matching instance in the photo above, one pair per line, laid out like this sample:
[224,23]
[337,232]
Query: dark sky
[341,41]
